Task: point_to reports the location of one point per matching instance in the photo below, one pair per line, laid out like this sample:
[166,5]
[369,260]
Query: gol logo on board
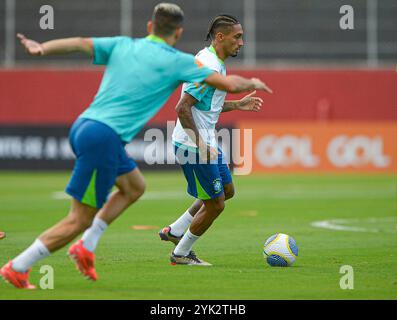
[342,151]
[307,146]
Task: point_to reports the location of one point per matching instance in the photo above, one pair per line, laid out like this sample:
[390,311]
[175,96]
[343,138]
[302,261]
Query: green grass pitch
[134,264]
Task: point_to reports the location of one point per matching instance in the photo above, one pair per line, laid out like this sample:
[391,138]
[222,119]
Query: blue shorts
[100,159]
[205,180]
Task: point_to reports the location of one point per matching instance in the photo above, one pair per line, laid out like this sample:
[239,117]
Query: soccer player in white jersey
[194,139]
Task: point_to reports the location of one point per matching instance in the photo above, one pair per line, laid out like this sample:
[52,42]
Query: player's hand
[32,47]
[249,103]
[259,85]
[208,153]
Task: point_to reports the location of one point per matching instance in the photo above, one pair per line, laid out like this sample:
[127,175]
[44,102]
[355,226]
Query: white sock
[180,225]
[92,235]
[185,245]
[30,256]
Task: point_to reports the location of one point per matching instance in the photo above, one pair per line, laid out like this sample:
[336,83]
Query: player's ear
[178,33]
[149,27]
[219,36]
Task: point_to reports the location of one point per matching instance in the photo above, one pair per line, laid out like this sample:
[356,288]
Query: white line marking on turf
[340,224]
[60,195]
[334,225]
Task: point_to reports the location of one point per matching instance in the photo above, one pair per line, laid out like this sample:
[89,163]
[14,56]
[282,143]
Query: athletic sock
[30,256]
[180,225]
[92,235]
[185,245]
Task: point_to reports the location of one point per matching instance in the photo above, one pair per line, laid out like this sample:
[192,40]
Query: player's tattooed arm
[236,84]
[185,115]
[58,46]
[248,103]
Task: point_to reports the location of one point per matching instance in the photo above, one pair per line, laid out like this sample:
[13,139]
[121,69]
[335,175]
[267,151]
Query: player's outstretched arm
[236,84]
[58,46]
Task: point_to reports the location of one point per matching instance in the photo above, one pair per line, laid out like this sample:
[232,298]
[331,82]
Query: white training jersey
[209,106]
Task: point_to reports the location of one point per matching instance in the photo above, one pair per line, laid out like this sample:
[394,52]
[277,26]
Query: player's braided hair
[220,21]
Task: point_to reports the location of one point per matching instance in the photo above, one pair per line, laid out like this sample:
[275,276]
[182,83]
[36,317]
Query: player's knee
[141,189]
[136,192]
[229,192]
[219,205]
[79,223]
[215,206]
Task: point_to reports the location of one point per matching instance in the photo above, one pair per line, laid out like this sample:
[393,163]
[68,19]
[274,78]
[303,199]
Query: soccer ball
[280,250]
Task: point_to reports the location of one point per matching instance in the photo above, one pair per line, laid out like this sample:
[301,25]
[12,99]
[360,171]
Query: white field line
[343,224]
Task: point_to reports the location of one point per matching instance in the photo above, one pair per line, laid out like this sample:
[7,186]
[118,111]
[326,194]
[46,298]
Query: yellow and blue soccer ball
[280,250]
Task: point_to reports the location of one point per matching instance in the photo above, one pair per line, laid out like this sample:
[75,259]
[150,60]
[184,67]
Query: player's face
[234,41]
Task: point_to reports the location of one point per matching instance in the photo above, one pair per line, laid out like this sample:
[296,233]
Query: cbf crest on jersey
[217,185]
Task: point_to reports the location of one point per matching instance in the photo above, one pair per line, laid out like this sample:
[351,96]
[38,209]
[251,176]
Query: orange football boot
[84,260]
[19,280]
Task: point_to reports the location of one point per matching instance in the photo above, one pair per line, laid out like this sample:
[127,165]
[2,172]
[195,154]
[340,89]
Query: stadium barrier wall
[312,114]
[40,96]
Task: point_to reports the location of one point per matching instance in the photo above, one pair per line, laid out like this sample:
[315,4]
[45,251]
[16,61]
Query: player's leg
[228,189]
[204,183]
[130,187]
[55,238]
[207,214]
[175,230]
[213,207]
[203,219]
[79,219]
[114,167]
